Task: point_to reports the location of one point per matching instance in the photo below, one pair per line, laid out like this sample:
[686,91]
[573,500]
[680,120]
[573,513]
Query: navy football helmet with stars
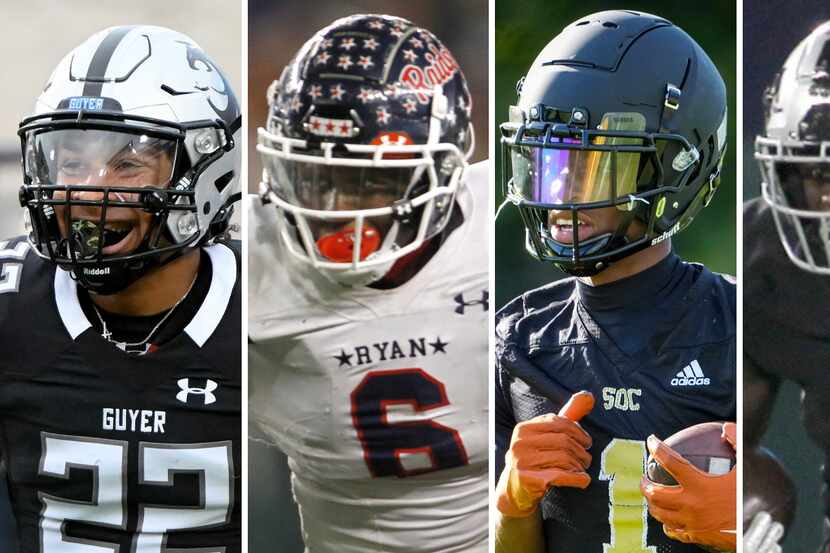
[366,145]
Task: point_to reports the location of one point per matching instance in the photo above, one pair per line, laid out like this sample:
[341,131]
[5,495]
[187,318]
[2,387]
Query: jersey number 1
[623,467]
[386,443]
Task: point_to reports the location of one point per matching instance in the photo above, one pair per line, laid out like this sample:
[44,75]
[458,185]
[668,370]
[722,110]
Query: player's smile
[562,230]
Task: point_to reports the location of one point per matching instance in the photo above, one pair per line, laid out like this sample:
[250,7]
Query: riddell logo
[97,271]
[691,375]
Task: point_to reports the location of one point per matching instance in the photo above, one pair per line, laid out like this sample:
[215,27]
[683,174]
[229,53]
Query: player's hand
[763,535]
[548,450]
[701,509]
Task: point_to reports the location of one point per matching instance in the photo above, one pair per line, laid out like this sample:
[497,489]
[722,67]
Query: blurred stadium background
[523,27]
[276,30]
[772,28]
[36,34]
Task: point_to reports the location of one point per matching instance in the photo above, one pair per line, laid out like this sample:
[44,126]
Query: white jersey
[378,397]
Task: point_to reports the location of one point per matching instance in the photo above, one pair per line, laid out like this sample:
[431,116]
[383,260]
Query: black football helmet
[366,145]
[794,152]
[624,110]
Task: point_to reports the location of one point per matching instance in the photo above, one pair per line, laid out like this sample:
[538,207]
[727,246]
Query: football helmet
[366,145]
[794,152]
[621,110]
[130,157]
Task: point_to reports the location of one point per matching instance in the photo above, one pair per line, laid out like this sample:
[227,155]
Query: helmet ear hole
[222,182]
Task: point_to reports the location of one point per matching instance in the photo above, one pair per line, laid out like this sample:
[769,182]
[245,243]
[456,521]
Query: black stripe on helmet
[96,73]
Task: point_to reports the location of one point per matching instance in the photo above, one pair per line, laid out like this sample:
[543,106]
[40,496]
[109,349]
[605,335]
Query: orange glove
[548,450]
[701,510]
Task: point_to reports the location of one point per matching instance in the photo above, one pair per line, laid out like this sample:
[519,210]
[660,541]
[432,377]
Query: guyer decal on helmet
[130,156]
[620,111]
[366,145]
[794,153]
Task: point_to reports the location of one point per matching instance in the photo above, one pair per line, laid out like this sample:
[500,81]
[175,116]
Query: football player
[614,146]
[787,249]
[368,279]
[120,386]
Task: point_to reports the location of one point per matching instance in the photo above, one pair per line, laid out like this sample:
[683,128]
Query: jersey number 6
[386,443]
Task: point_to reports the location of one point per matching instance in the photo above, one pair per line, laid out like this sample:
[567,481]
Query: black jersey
[786,322]
[107,451]
[564,337]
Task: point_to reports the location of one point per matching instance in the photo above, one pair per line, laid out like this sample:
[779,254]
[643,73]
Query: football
[702,446]
[767,487]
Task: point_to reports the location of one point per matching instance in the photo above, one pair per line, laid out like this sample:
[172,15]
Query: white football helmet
[126,99]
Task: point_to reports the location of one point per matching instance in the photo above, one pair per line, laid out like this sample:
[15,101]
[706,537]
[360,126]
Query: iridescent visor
[556,176]
[94,157]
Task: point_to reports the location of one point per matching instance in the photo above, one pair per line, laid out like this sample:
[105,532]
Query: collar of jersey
[643,289]
[201,326]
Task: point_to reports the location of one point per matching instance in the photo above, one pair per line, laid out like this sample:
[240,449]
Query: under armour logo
[484,302]
[207,391]
[402,210]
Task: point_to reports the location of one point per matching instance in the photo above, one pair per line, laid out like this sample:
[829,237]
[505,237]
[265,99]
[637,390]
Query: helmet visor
[95,157]
[337,188]
[338,208]
[565,175]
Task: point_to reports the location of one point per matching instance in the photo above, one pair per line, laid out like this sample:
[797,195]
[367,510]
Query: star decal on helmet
[416,42]
[365,62]
[383,116]
[315,91]
[391,90]
[365,95]
[344,62]
[327,43]
[370,44]
[296,103]
[325,126]
[410,55]
[347,44]
[337,92]
[397,32]
[322,58]
[378,25]
[410,105]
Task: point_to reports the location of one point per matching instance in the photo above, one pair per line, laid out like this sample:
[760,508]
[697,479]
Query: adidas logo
[691,375]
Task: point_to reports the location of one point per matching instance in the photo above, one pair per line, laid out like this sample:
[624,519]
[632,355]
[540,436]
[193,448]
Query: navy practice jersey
[786,324]
[672,367]
[107,451]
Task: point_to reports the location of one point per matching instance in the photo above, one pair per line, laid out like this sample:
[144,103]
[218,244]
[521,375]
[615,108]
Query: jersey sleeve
[16,261]
[505,420]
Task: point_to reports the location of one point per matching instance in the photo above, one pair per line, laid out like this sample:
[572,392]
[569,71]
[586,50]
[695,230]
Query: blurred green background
[523,27]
